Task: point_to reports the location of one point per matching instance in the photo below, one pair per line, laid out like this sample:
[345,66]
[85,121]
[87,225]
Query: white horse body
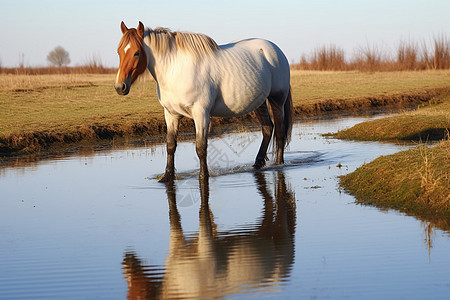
[198,79]
[237,80]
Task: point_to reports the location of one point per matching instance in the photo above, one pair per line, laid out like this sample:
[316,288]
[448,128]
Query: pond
[100,226]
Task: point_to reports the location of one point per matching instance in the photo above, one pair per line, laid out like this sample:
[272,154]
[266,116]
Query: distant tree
[58,57]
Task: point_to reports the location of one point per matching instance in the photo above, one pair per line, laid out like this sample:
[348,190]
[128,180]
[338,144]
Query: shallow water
[102,227]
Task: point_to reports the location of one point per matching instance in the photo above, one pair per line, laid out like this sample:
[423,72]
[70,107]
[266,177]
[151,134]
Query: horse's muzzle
[121,88]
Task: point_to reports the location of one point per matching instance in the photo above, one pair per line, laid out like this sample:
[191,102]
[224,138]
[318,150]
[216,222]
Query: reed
[409,56]
[441,58]
[328,58]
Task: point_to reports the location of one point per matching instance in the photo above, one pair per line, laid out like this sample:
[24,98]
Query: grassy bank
[416,181]
[42,111]
[430,122]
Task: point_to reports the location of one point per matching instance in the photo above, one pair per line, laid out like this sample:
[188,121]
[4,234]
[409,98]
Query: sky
[91,28]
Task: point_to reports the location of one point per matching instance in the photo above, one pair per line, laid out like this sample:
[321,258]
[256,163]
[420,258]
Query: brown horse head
[133,60]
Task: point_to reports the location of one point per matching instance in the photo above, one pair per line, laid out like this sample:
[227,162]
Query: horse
[199,79]
[217,264]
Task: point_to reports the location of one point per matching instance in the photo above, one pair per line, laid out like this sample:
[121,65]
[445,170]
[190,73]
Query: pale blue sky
[30,28]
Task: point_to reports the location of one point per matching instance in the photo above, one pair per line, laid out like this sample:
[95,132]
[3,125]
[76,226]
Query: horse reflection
[216,264]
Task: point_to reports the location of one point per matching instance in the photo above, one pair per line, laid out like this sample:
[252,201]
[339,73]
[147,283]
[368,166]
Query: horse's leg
[276,102]
[262,113]
[172,132]
[201,120]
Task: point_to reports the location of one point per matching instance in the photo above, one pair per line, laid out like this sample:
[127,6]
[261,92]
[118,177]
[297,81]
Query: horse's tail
[288,118]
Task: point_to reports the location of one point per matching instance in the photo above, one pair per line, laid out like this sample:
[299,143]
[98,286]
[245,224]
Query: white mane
[162,40]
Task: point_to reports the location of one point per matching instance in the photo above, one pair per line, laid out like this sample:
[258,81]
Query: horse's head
[133,60]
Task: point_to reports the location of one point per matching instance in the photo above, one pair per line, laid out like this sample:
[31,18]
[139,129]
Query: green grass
[416,181]
[429,122]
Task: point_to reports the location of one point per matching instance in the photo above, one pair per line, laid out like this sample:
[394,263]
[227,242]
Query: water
[101,227]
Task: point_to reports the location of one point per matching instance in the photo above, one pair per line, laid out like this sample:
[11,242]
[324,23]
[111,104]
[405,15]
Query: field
[38,112]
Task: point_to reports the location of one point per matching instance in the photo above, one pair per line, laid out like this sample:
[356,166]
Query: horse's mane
[163,40]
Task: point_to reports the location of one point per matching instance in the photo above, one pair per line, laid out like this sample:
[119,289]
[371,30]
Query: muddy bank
[44,141]
[380,102]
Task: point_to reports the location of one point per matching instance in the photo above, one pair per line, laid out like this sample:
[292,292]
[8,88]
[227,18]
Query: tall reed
[328,58]
[408,56]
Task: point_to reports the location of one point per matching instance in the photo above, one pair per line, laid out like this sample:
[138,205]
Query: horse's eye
[136,55]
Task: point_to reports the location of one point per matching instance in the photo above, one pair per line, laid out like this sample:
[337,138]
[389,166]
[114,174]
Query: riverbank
[41,113]
[416,181]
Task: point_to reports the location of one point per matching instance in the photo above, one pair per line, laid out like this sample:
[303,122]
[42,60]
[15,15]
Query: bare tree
[58,57]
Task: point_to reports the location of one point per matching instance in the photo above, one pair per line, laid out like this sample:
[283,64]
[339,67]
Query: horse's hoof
[167,177]
[258,165]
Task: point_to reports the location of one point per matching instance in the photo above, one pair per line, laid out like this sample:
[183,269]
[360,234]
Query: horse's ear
[140,29]
[123,27]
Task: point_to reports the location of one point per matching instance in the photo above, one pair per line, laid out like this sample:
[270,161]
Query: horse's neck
[158,64]
[150,61]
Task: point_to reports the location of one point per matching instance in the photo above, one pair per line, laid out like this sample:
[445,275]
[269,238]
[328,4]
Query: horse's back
[248,71]
[258,48]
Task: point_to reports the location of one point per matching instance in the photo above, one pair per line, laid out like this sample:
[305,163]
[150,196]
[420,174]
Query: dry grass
[361,89]
[37,111]
[371,58]
[70,106]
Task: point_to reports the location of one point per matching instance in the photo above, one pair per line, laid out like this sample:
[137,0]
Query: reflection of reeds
[408,56]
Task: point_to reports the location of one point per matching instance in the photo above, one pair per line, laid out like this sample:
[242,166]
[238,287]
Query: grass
[416,181]
[314,86]
[39,111]
[60,103]
[429,122]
